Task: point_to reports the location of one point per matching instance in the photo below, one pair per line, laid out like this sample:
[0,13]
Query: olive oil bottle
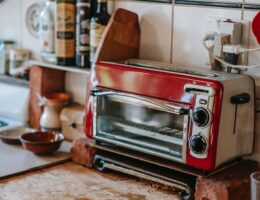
[65,32]
[97,26]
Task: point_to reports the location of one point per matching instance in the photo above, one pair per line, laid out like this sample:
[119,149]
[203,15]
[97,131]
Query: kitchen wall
[13,22]
[171,32]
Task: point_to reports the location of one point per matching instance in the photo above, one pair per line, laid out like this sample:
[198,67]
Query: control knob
[198,144]
[200,116]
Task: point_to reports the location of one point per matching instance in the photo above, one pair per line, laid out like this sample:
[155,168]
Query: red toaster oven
[197,117]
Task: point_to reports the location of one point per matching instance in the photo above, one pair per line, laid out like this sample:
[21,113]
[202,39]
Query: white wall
[170,32]
[13,26]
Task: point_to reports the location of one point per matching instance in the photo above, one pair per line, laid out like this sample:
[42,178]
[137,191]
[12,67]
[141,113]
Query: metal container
[255,185]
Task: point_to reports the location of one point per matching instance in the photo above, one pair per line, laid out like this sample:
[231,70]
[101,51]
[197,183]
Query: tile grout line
[172,32]
[243,10]
[21,23]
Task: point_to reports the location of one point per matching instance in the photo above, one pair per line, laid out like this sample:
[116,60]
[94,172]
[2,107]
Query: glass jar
[2,58]
[5,47]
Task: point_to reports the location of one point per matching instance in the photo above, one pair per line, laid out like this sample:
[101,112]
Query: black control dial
[198,144]
[200,116]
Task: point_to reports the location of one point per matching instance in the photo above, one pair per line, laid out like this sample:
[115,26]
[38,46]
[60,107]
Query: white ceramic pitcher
[53,103]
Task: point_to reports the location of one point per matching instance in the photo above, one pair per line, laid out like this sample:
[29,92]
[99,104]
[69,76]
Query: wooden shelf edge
[58,67]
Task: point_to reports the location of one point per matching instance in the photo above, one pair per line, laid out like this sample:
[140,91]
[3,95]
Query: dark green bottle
[97,26]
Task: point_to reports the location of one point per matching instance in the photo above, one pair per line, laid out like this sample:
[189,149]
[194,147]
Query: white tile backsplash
[76,86]
[10,16]
[13,23]
[257,2]
[254,57]
[189,30]
[29,41]
[156,28]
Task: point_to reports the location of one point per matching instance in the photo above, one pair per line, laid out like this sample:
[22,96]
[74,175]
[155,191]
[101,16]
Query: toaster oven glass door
[149,125]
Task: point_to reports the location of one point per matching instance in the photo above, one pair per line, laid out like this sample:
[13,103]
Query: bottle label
[65,47]
[83,28]
[46,37]
[96,31]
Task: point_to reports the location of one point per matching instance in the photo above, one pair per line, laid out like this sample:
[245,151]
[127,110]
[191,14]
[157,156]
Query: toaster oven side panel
[237,121]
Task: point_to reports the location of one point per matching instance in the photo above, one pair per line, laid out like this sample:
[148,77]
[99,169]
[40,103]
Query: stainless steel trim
[146,101]
[158,147]
[159,67]
[185,137]
[138,148]
[142,175]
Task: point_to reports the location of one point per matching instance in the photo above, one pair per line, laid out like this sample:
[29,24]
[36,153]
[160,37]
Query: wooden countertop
[70,181]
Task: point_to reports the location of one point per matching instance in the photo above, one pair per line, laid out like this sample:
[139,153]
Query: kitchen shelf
[58,67]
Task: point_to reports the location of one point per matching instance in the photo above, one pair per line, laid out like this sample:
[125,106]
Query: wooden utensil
[121,38]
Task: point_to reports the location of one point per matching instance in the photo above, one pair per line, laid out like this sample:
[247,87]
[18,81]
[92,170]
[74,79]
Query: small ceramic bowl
[12,135]
[42,142]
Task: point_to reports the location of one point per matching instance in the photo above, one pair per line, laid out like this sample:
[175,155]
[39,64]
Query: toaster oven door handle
[175,109]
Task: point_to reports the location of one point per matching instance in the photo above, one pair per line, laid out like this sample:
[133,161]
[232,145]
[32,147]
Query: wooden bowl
[42,142]
[57,98]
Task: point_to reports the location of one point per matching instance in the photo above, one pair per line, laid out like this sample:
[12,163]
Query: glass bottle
[47,28]
[97,26]
[82,33]
[5,47]
[65,32]
[2,58]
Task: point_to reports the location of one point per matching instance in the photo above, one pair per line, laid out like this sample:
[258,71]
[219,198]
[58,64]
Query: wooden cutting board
[14,159]
[121,38]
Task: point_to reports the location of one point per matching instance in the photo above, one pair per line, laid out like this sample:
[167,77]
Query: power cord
[238,50]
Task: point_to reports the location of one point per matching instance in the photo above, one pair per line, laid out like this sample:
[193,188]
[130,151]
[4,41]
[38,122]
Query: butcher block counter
[27,176]
[70,181]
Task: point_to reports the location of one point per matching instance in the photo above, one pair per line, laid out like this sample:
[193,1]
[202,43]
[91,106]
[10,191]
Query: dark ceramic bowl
[12,135]
[41,142]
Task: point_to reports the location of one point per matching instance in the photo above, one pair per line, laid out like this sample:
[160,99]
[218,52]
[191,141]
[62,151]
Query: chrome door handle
[175,109]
